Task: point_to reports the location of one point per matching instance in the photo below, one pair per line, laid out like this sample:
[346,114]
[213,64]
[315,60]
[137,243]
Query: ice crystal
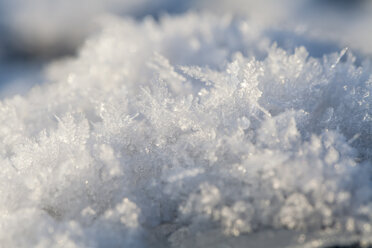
[191,131]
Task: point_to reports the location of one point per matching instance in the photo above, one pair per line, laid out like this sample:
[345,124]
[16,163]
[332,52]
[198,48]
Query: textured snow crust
[194,131]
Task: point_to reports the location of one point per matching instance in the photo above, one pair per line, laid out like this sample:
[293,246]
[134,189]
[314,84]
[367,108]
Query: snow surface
[46,28]
[196,130]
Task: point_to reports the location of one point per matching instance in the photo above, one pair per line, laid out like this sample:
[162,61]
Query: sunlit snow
[194,130]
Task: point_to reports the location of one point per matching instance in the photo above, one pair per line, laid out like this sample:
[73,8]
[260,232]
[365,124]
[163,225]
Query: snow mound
[196,131]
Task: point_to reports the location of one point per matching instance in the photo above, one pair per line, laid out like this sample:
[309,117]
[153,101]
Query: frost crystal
[191,131]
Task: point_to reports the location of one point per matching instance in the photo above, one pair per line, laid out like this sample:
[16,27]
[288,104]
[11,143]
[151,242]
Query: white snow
[197,130]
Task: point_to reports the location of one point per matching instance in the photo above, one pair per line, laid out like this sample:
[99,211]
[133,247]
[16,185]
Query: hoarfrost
[190,131]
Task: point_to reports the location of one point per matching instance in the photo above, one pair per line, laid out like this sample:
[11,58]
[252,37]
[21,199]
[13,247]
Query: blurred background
[32,33]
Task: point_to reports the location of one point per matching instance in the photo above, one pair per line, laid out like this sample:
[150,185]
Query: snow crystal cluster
[191,131]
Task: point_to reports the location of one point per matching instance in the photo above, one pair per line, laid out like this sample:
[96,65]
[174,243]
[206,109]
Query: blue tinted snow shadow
[17,77]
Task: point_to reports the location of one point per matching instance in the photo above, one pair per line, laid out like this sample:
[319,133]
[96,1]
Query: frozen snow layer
[194,131]
[45,28]
[48,28]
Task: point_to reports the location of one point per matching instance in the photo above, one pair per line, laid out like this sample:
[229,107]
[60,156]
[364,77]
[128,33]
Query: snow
[193,130]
